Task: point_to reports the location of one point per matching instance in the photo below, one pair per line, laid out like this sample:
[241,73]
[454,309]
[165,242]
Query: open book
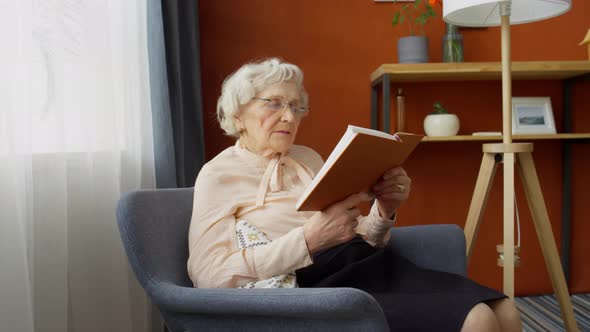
[356,163]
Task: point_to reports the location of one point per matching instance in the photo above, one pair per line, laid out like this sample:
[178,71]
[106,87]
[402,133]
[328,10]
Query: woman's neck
[262,152]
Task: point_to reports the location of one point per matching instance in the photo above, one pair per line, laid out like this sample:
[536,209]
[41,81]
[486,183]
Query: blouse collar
[272,176]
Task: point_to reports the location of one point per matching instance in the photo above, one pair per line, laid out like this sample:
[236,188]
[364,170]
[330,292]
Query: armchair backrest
[153,225]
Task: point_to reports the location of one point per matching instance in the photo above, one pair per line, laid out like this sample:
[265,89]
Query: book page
[373,132]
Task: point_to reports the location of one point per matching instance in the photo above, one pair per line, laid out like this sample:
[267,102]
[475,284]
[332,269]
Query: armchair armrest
[286,302]
[340,306]
[435,247]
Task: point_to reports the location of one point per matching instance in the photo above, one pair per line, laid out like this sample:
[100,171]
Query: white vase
[441,125]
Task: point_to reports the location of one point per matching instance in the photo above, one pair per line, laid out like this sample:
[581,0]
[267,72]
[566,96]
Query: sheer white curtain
[75,133]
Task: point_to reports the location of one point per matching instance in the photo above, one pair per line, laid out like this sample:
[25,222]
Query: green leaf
[421,19]
[430,11]
[437,108]
[395,20]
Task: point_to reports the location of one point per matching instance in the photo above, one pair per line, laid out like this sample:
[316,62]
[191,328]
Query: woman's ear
[238,123]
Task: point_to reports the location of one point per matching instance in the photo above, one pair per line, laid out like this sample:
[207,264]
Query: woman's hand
[334,225]
[391,191]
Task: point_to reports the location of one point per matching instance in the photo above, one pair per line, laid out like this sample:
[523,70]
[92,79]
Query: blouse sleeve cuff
[376,216]
[302,245]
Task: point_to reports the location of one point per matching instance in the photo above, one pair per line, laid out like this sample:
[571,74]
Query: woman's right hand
[334,225]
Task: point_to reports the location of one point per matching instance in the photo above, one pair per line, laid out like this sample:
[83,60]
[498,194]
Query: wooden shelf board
[471,71]
[466,138]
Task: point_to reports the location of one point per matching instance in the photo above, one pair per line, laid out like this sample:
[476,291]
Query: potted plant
[440,122]
[414,48]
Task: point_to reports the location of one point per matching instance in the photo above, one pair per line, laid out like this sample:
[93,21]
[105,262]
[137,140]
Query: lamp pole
[508,156]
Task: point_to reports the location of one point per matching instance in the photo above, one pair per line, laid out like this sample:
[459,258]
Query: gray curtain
[175,80]
[182,44]
[164,155]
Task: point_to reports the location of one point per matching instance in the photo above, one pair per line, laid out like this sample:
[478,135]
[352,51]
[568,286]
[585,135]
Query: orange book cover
[357,162]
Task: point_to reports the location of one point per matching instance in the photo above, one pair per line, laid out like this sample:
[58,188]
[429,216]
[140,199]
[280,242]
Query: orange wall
[339,43]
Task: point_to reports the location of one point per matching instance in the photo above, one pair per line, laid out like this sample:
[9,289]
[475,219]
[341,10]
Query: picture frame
[532,115]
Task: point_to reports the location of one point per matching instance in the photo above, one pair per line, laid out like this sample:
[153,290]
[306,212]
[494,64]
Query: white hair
[242,85]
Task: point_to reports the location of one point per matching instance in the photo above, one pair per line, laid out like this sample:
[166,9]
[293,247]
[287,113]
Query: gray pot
[412,49]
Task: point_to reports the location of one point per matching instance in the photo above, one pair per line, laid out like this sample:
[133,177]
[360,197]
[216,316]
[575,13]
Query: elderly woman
[254,186]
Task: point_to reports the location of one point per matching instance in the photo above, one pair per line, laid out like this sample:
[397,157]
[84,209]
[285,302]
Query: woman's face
[270,124]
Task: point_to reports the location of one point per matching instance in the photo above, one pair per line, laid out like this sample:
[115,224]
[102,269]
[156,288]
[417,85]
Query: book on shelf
[357,162]
[487,133]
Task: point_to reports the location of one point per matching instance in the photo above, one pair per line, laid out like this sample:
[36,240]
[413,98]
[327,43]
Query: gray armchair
[154,227]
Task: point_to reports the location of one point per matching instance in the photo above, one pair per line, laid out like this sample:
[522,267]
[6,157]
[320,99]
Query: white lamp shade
[485,13]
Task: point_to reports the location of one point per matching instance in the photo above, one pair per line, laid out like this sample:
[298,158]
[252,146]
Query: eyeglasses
[277,105]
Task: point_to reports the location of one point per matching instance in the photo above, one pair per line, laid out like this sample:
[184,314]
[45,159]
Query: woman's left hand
[391,191]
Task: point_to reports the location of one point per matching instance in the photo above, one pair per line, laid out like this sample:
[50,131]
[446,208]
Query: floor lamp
[483,13]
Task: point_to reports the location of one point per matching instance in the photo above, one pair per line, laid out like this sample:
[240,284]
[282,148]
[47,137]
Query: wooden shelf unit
[568,72]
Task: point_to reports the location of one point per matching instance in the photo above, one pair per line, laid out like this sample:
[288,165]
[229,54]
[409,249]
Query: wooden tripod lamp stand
[503,13]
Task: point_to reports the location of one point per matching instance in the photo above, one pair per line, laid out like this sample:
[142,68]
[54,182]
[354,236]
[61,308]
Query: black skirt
[412,298]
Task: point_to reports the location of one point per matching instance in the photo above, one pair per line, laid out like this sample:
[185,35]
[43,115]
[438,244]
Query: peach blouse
[238,184]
